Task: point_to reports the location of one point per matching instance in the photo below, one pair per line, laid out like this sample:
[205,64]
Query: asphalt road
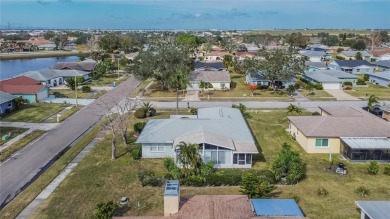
[21,169]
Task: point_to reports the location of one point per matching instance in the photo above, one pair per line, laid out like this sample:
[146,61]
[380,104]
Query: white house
[381,78]
[215,56]
[220,80]
[222,134]
[53,78]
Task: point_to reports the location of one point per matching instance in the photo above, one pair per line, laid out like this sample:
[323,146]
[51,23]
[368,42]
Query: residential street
[16,173]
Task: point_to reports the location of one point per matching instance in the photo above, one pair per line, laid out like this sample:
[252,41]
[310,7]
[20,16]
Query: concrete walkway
[341,95]
[30,126]
[192,95]
[298,97]
[83,102]
[34,205]
[55,115]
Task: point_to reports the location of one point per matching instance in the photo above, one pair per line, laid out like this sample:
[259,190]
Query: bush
[193,181]
[347,83]
[318,86]
[322,192]
[136,153]
[255,186]
[152,112]
[207,169]
[373,168]
[366,77]
[347,88]
[362,191]
[140,113]
[193,111]
[169,164]
[316,113]
[149,179]
[139,126]
[86,89]
[361,81]
[263,87]
[387,170]
[105,210]
[224,178]
[340,57]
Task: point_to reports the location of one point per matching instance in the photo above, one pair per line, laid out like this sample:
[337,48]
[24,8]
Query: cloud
[234,12]
[188,16]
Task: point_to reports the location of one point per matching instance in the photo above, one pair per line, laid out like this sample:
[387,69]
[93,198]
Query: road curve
[19,171]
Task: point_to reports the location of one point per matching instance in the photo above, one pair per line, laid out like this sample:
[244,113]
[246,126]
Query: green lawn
[319,95]
[67,113]
[98,178]
[373,89]
[135,92]
[13,130]
[107,80]
[67,93]
[36,112]
[7,152]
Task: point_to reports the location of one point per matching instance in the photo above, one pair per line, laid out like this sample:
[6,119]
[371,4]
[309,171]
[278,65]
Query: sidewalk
[83,102]
[34,205]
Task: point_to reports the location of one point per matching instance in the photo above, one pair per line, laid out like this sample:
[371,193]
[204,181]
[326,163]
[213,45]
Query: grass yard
[98,179]
[35,112]
[15,131]
[7,152]
[66,114]
[382,92]
[135,92]
[319,95]
[107,80]
[68,93]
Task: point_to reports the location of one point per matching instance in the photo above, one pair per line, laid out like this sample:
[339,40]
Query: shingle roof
[343,110]
[311,53]
[351,53]
[375,209]
[384,63]
[47,74]
[352,63]
[86,65]
[223,123]
[384,75]
[5,97]
[210,76]
[217,65]
[337,73]
[217,53]
[322,78]
[360,124]
[316,64]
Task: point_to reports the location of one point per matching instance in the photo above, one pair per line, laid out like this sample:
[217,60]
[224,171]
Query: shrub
[149,179]
[322,192]
[347,88]
[169,164]
[86,89]
[193,111]
[373,168]
[136,153]
[152,112]
[105,210]
[361,81]
[270,88]
[347,83]
[315,113]
[255,186]
[298,85]
[140,113]
[224,177]
[139,126]
[362,191]
[318,86]
[366,77]
[263,87]
[386,171]
[340,57]
[207,169]
[192,181]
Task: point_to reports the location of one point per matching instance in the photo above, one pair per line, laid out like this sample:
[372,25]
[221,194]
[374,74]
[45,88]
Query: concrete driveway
[341,95]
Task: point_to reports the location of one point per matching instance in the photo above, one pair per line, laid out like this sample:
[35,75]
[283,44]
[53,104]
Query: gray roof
[47,74]
[359,124]
[368,143]
[225,127]
[342,111]
[384,75]
[382,63]
[375,209]
[311,53]
[351,53]
[210,76]
[86,65]
[316,64]
[337,73]
[321,78]
[6,97]
[352,63]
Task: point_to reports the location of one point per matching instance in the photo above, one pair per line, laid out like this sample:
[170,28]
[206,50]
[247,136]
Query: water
[11,68]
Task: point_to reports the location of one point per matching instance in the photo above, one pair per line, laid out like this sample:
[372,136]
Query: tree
[70,82]
[372,101]
[148,109]
[105,210]
[330,40]
[359,45]
[109,42]
[252,87]
[139,126]
[170,65]
[255,186]
[288,164]
[188,158]
[293,108]
[375,38]
[358,56]
[290,89]
[228,61]
[189,41]
[297,40]
[384,36]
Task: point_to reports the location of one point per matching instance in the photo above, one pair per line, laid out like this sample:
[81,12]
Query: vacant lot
[382,92]
[7,130]
[98,178]
[36,112]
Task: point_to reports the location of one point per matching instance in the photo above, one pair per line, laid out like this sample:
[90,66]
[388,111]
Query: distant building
[352,66]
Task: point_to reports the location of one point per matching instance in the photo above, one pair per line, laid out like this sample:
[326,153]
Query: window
[157,149]
[221,157]
[322,142]
[358,70]
[242,159]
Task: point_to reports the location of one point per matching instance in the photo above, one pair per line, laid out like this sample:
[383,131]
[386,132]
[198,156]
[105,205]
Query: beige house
[355,133]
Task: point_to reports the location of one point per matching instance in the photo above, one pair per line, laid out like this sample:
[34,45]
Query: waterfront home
[219,80]
[222,134]
[53,78]
[86,65]
[356,134]
[352,66]
[30,90]
[7,102]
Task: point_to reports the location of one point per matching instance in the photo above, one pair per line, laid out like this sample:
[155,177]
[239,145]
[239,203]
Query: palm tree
[202,85]
[372,100]
[179,80]
[358,56]
[148,108]
[189,158]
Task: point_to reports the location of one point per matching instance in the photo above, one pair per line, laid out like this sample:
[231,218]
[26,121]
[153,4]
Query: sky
[195,14]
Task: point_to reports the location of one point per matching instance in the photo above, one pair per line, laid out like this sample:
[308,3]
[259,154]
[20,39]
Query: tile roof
[21,80]
[357,124]
[21,89]
[6,97]
[352,63]
[210,76]
[380,52]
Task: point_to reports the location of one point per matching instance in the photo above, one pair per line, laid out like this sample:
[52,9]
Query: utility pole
[75,88]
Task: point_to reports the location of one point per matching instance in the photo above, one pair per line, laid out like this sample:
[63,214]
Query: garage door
[331,86]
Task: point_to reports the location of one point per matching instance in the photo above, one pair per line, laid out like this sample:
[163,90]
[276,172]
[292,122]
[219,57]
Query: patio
[366,149]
